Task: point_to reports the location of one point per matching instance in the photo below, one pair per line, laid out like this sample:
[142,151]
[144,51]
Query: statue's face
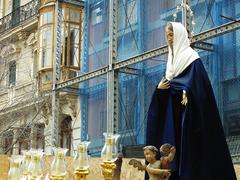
[169,36]
[150,156]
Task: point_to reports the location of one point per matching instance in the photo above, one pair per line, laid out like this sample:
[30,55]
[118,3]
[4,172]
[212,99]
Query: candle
[58,166]
[109,148]
[35,171]
[82,150]
[81,160]
[60,157]
[14,171]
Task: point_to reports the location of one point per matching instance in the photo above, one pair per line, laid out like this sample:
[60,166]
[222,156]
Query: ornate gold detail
[108,168]
[56,178]
[81,174]
[34,178]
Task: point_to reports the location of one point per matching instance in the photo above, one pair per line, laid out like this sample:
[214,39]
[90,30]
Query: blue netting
[141,28]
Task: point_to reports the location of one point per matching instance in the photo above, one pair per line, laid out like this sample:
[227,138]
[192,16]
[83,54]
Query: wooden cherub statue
[167,152]
[156,169]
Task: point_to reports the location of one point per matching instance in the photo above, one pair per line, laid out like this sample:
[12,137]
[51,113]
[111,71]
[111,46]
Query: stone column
[47,135]
[33,136]
[76,138]
[15,141]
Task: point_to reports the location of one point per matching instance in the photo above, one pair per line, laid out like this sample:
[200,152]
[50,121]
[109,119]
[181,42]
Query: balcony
[19,16]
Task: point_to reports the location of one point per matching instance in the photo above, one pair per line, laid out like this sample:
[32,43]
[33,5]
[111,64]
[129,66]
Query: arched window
[66,133]
[7,142]
[40,136]
[24,138]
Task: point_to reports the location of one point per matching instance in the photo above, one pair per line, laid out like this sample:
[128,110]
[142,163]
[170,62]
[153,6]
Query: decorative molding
[72,105]
[68,105]
[14,49]
[44,2]
[46,113]
[4,51]
[32,39]
[11,94]
[9,50]
[22,35]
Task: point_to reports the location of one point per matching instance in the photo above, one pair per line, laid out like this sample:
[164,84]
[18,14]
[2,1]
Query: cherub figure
[157,169]
[167,152]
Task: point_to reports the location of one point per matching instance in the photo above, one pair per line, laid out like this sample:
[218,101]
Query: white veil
[183,54]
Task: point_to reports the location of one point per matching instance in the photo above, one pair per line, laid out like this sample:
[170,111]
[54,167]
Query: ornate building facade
[27,31]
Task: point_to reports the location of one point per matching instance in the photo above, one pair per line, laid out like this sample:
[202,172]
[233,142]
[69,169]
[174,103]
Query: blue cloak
[195,130]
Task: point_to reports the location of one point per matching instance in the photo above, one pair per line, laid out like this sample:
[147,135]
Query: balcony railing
[19,15]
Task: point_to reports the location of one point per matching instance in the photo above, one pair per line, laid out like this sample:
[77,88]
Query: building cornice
[20,106]
[24,27]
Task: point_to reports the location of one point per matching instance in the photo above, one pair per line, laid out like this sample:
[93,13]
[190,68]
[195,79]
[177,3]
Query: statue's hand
[163,84]
[184,98]
[137,164]
[165,174]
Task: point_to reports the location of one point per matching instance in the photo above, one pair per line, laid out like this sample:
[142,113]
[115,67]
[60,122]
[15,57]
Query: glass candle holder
[26,162]
[81,161]
[14,172]
[35,168]
[110,150]
[58,166]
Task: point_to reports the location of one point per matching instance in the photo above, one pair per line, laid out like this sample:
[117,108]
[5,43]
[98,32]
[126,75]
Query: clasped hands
[165,84]
[165,173]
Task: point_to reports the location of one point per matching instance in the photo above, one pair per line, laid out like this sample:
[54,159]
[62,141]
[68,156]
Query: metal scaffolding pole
[84,68]
[56,76]
[112,75]
[139,123]
[187,15]
[211,33]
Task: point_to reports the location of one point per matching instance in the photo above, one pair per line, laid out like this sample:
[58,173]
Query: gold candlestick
[81,174]
[34,178]
[56,178]
[108,168]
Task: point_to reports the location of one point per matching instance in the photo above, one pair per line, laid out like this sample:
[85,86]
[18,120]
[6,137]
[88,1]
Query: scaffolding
[124,57]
